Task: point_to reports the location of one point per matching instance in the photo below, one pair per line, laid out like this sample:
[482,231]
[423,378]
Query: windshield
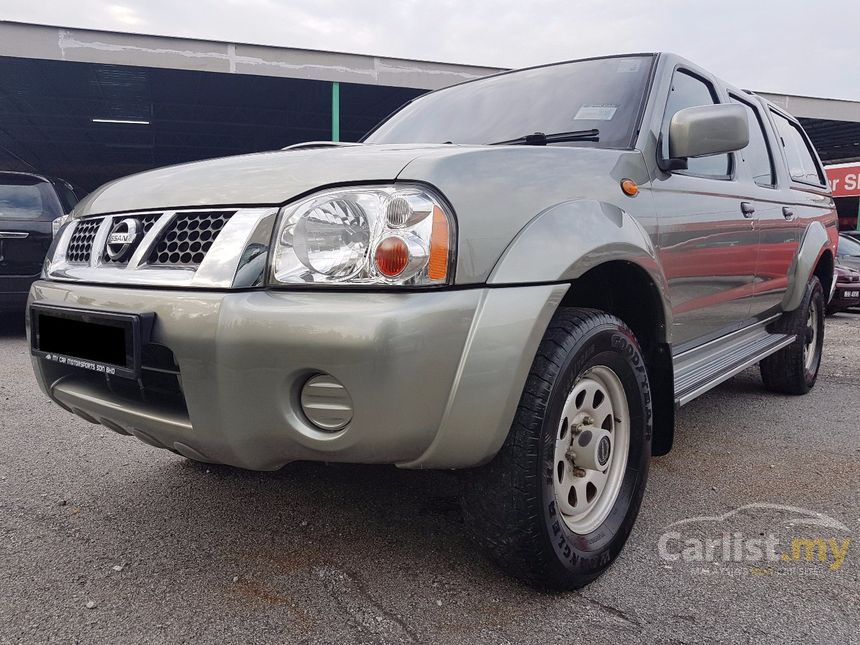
[25,197]
[606,94]
[848,247]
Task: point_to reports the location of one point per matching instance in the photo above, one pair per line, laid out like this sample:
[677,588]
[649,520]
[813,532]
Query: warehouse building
[90,106]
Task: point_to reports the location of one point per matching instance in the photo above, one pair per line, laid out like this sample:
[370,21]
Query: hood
[494,190]
[846,273]
[265,178]
[847,262]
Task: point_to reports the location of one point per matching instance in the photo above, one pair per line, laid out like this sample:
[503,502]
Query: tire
[515,506]
[793,370]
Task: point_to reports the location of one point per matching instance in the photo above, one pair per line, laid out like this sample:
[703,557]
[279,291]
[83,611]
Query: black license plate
[104,342]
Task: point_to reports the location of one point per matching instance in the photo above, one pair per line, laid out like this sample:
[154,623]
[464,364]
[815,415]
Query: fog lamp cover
[326,403]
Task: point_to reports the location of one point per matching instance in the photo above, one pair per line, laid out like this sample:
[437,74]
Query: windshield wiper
[541,139]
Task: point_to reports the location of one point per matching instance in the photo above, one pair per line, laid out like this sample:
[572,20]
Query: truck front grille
[195,248]
[81,244]
[183,242]
[188,238]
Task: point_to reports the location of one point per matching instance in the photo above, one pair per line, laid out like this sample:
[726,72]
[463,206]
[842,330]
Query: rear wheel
[556,505]
[794,369]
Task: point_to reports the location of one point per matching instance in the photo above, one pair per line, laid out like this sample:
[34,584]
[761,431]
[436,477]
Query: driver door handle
[787,213]
[747,209]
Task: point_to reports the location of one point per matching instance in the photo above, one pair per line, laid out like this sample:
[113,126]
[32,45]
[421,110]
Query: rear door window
[691,91]
[802,165]
[757,154]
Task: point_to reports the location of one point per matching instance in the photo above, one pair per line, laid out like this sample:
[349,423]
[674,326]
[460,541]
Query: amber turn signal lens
[437,268]
[629,187]
[392,256]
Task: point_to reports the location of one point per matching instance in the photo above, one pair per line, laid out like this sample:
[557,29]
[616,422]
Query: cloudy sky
[787,46]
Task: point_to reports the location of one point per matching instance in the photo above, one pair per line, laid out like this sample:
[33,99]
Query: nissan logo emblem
[121,239]
[604,447]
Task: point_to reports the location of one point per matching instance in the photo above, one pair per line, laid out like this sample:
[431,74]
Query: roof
[31,175]
[24,40]
[851,164]
[816,108]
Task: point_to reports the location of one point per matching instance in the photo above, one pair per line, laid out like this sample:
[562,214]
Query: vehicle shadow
[12,325]
[286,529]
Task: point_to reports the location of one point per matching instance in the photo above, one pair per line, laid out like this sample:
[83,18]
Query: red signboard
[844,179]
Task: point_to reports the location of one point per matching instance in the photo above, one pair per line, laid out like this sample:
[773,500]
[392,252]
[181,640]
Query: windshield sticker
[596,112]
[629,65]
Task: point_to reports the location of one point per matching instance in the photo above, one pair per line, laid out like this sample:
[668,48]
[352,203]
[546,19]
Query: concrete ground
[106,540]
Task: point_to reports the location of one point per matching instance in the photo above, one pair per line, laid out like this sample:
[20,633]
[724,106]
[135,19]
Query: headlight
[57,224]
[391,235]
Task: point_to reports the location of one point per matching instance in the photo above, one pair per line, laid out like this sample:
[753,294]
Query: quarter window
[690,91]
[801,163]
[757,154]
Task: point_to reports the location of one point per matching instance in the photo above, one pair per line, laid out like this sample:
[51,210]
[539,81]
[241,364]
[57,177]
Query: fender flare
[565,241]
[813,245]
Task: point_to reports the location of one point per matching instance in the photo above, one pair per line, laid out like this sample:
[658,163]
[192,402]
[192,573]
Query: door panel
[707,245]
[708,251]
[801,202]
[776,233]
[778,238]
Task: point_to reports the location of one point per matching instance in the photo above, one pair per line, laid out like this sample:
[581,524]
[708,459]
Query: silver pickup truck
[522,276]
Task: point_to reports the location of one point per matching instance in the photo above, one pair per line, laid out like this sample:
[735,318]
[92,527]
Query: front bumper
[434,377]
[845,296]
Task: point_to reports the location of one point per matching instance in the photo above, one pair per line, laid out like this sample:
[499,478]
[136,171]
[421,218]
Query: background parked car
[847,294]
[32,208]
[848,251]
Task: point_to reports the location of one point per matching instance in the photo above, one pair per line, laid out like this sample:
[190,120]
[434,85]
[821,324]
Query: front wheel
[556,505]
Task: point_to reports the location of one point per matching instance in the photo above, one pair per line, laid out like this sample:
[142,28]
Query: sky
[781,46]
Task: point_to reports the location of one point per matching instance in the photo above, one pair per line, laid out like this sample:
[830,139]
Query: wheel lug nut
[578,472]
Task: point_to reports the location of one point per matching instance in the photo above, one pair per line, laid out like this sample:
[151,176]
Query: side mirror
[705,130]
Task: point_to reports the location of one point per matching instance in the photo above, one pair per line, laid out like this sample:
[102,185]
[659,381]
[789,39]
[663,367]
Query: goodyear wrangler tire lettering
[513,506]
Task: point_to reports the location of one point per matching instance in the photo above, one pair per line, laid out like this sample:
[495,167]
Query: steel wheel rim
[810,345]
[585,496]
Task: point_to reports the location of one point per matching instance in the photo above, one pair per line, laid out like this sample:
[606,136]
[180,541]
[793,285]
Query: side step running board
[702,368]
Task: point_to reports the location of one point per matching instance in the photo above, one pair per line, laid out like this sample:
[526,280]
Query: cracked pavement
[168,551]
